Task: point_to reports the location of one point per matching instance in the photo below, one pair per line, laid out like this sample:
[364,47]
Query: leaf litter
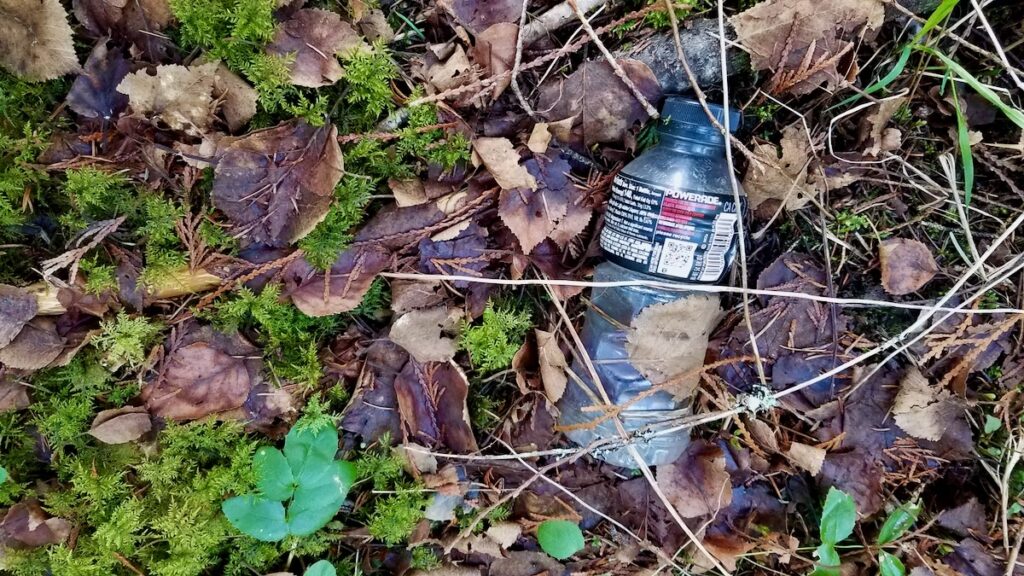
[280,175]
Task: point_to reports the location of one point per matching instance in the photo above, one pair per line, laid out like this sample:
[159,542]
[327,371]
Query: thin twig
[520,34]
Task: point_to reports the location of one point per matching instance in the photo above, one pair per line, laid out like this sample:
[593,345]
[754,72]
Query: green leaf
[314,448]
[321,568]
[884,81]
[828,561]
[1013,114]
[3,475]
[258,517]
[319,497]
[992,423]
[275,475]
[898,522]
[940,14]
[560,538]
[837,517]
[964,144]
[889,565]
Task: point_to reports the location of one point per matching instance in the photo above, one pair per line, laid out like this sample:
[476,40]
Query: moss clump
[125,340]
[494,342]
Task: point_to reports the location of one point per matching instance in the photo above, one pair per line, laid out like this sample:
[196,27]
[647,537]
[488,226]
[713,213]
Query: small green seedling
[896,525]
[837,520]
[305,476]
[321,568]
[560,538]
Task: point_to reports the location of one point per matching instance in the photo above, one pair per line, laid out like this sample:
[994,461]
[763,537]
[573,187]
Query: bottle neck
[698,144]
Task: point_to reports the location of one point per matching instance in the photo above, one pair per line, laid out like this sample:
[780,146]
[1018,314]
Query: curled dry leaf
[35,39]
[603,107]
[420,332]
[874,134]
[94,93]
[276,185]
[36,346]
[552,365]
[553,209]
[667,342]
[238,99]
[495,52]
[804,44]
[432,405]
[926,411]
[17,307]
[809,458]
[202,372]
[907,265]
[373,410]
[697,484]
[312,39]
[500,158]
[785,179]
[341,288]
[540,138]
[26,525]
[180,96]
[121,425]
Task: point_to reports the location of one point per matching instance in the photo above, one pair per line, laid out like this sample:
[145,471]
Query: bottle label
[667,232]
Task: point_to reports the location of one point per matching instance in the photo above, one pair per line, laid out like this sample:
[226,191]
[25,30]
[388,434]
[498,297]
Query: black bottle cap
[686,118]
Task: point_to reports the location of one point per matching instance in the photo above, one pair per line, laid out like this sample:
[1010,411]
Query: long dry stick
[520,35]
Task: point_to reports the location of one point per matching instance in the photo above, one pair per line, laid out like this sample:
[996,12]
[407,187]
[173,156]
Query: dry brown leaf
[94,93]
[495,52]
[374,25]
[237,97]
[420,333]
[601,107]
[313,38]
[432,405]
[668,340]
[907,265]
[697,484]
[805,42]
[35,39]
[504,533]
[552,365]
[13,394]
[180,96]
[478,15]
[809,458]
[540,137]
[500,158]
[138,21]
[416,458]
[450,71]
[874,134]
[27,525]
[35,346]
[788,182]
[17,307]
[121,425]
[555,209]
[316,294]
[925,411]
[408,192]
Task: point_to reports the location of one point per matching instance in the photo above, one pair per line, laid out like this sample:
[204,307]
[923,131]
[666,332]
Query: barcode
[677,258]
[721,240]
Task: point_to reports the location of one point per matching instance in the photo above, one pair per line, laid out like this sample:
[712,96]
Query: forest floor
[295,286]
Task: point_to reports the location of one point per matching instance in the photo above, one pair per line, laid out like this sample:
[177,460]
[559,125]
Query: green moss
[99,278]
[125,340]
[492,343]
[368,76]
[381,466]
[424,558]
[322,246]
[395,516]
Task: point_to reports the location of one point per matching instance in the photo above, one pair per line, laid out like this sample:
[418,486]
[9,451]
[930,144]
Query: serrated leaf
[321,568]
[838,517]
[260,518]
[310,448]
[560,538]
[318,497]
[276,481]
[889,565]
[898,522]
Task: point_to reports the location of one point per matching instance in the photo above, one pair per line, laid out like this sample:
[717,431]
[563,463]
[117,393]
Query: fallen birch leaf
[350,277]
[925,411]
[907,265]
[500,158]
[783,179]
[36,346]
[552,365]
[810,458]
[697,484]
[17,307]
[420,333]
[553,209]
[180,96]
[27,525]
[666,341]
[121,425]
[35,39]
[313,38]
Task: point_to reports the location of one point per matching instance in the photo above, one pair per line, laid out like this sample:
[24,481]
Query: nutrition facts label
[674,233]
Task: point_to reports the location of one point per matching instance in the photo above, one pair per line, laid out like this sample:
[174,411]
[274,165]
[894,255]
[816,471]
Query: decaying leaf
[94,93]
[432,405]
[138,21]
[312,39]
[276,185]
[341,288]
[35,39]
[540,138]
[667,342]
[502,161]
[697,484]
[203,372]
[907,265]
[36,346]
[465,254]
[180,96]
[809,458]
[552,365]
[373,410]
[874,133]
[17,307]
[13,394]
[964,519]
[784,179]
[553,209]
[444,67]
[926,411]
[495,52]
[478,15]
[374,25]
[238,99]
[121,425]
[420,332]
[804,43]
[603,107]
[26,525]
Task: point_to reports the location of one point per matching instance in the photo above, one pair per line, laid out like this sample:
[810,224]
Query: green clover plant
[305,476]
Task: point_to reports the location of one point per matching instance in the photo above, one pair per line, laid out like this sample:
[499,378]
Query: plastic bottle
[671,216]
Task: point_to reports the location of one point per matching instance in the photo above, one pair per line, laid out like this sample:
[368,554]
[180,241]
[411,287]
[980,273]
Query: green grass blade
[884,81]
[1015,115]
[940,14]
[963,138]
